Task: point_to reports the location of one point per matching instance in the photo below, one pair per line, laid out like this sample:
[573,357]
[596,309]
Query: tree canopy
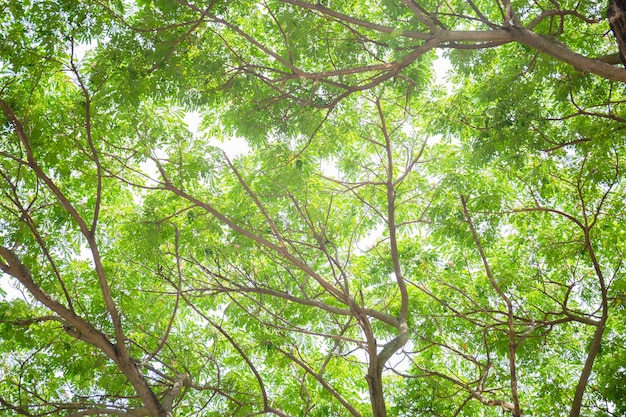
[388,243]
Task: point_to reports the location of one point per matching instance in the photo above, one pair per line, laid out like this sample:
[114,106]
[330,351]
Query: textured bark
[377,398]
[617,20]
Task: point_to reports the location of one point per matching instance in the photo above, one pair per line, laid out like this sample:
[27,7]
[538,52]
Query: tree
[388,245]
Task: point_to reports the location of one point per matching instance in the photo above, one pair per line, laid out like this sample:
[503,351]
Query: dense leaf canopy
[386,241]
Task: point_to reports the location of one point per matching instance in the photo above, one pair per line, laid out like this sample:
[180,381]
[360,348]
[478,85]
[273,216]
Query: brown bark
[76,325]
[83,330]
[498,35]
[598,334]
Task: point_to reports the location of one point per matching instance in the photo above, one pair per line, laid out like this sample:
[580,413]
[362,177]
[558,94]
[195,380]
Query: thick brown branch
[10,264]
[86,231]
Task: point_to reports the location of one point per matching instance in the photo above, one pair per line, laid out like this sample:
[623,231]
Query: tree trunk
[375,384]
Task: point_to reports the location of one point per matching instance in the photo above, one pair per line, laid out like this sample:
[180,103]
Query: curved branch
[510,316]
[562,53]
[83,330]
[86,231]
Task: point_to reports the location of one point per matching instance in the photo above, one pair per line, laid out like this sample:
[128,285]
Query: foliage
[387,243]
